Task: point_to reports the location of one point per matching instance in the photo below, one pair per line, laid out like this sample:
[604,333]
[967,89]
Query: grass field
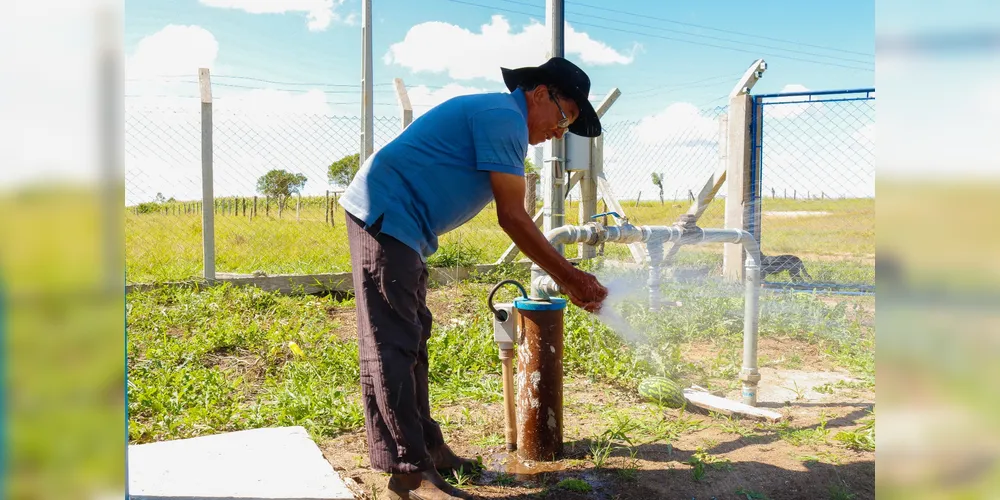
[836,238]
[194,371]
[225,358]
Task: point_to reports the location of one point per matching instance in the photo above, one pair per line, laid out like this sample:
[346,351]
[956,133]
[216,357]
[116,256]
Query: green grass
[165,244]
[219,359]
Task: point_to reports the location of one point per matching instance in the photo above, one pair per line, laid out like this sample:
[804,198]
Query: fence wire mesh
[163,229]
[816,190]
[816,186]
[656,168]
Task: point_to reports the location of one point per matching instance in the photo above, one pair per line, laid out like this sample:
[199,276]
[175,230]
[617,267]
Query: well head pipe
[540,378]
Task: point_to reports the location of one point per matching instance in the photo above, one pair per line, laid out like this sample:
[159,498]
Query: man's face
[549,117]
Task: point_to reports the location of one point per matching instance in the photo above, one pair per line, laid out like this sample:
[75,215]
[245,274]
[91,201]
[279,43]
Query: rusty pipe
[540,378]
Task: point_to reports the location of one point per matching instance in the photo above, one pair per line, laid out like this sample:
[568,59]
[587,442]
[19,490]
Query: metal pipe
[510,417]
[655,252]
[543,286]
[749,374]
[555,197]
[594,234]
[367,85]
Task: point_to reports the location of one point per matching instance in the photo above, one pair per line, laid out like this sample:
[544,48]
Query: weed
[577,485]
[751,495]
[805,436]
[840,492]
[600,449]
[630,470]
[823,456]
[733,426]
[700,459]
[861,439]
[504,479]
[459,477]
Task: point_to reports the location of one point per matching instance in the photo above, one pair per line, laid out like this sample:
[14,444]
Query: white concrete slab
[782,386]
[273,463]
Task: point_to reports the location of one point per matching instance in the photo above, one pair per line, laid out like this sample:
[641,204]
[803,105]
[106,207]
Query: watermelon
[662,390]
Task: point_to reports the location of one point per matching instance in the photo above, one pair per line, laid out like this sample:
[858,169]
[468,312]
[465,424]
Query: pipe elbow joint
[545,286]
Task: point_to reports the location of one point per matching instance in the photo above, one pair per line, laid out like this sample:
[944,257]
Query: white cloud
[320,13]
[423,98]
[791,110]
[681,123]
[174,50]
[254,130]
[439,47]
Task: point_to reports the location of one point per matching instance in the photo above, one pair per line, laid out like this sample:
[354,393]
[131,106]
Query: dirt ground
[675,453]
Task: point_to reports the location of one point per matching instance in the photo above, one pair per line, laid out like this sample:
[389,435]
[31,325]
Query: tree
[529,166]
[280,184]
[342,171]
[658,180]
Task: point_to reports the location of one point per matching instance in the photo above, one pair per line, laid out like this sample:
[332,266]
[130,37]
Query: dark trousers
[394,323]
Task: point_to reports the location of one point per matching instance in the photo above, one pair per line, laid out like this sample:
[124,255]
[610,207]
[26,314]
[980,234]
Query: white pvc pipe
[655,237]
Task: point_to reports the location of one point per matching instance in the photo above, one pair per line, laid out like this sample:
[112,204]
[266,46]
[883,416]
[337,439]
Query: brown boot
[445,459]
[428,485]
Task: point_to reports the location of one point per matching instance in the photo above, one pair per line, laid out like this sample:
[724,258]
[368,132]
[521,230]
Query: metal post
[554,211]
[207,195]
[367,105]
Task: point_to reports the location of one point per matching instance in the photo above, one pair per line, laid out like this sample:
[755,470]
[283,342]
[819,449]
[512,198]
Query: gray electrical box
[577,152]
[505,330]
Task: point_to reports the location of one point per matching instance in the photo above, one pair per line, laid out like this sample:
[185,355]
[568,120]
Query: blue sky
[674,62]
[282,47]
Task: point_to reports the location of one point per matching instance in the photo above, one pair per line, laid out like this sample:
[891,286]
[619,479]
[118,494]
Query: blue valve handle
[606,213]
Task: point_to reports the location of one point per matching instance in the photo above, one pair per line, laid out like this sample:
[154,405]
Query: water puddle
[508,467]
[522,470]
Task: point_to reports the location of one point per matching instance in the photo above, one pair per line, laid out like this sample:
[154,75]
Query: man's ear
[539,93]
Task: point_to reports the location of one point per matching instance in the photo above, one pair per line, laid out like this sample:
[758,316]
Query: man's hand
[585,291]
[582,288]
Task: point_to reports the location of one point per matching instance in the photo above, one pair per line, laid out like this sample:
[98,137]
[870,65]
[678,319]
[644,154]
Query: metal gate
[813,187]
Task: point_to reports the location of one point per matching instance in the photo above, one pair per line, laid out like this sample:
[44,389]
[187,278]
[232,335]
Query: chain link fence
[814,195]
[163,228]
[657,167]
[815,186]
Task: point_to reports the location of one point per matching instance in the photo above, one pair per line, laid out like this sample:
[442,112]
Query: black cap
[570,80]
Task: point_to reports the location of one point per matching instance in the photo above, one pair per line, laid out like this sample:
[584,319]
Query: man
[435,176]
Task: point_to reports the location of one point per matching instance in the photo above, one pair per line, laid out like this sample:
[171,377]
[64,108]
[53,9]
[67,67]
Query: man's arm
[508,191]
[582,288]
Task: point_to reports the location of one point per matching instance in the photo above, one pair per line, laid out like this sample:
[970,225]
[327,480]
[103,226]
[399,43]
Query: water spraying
[538,329]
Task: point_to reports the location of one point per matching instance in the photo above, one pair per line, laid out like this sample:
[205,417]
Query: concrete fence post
[207,194]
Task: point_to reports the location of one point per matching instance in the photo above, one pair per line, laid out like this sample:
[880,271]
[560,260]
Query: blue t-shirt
[435,175]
